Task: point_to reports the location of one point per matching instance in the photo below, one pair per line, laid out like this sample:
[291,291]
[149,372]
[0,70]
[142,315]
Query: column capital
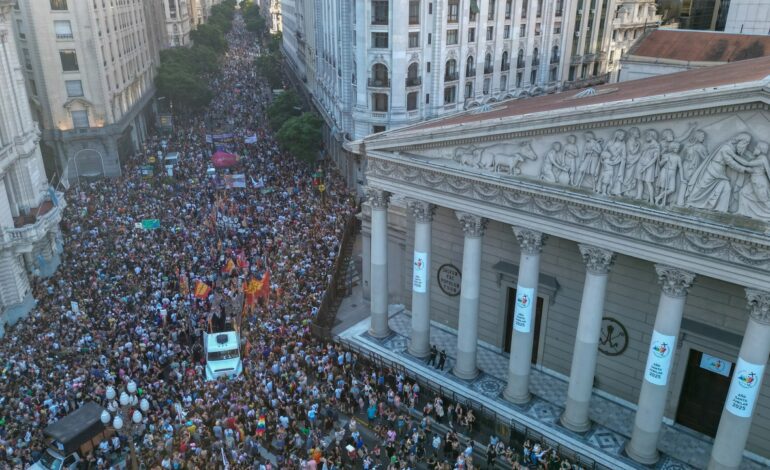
[530,241]
[597,260]
[759,305]
[674,281]
[377,198]
[473,225]
[422,211]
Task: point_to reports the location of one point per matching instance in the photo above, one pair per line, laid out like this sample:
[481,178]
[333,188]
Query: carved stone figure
[754,197]
[647,166]
[617,149]
[710,187]
[633,150]
[591,159]
[571,153]
[468,156]
[670,173]
[553,166]
[512,162]
[609,168]
[694,153]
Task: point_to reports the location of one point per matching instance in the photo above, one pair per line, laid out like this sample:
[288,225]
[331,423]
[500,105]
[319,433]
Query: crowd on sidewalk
[136,316]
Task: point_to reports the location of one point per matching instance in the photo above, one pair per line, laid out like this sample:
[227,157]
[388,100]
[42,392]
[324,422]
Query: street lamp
[126,414]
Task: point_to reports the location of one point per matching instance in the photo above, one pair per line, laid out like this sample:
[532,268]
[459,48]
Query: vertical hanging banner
[744,388]
[659,358]
[419,277]
[522,312]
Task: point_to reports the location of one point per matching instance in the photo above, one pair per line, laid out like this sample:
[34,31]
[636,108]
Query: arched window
[488,63]
[470,67]
[450,72]
[520,59]
[555,54]
[535,56]
[411,100]
[379,75]
[413,74]
[506,65]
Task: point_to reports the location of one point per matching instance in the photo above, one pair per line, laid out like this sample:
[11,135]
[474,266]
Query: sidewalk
[681,448]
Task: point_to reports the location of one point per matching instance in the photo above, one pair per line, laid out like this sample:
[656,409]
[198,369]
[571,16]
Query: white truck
[223,354]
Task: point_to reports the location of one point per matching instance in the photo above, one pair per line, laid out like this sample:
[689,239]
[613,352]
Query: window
[414,39]
[378,129]
[520,59]
[488,67]
[451,37]
[74,88]
[518,79]
[524,9]
[411,101]
[414,11]
[33,87]
[20,29]
[539,9]
[379,75]
[490,33]
[557,28]
[522,30]
[63,29]
[555,55]
[469,89]
[379,12]
[486,86]
[533,76]
[450,73]
[413,75]
[58,4]
[537,29]
[428,67]
[508,8]
[553,74]
[80,119]
[491,11]
[453,13]
[503,82]
[380,102]
[506,63]
[471,34]
[27,59]
[450,94]
[69,60]
[535,57]
[380,40]
[430,37]
[470,67]
[427,98]
[559,7]
[507,31]
[430,8]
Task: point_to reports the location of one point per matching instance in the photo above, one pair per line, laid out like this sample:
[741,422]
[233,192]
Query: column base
[647,459]
[574,427]
[512,397]
[379,334]
[418,353]
[466,374]
[714,465]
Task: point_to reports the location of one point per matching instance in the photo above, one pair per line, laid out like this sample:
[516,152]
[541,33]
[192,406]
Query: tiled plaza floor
[612,422]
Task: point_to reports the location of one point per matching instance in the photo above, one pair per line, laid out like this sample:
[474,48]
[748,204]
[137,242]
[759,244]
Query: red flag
[229,266]
[264,290]
[202,289]
[242,262]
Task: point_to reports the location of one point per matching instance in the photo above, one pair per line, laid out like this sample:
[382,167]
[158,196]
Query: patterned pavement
[612,422]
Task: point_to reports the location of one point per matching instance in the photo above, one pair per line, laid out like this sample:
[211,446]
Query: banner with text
[522,312]
[744,388]
[419,274]
[659,358]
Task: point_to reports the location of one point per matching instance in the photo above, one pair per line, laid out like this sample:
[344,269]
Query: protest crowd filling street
[138,317]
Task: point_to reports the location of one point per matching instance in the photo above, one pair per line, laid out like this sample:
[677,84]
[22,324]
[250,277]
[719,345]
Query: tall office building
[29,210]
[89,68]
[699,14]
[748,17]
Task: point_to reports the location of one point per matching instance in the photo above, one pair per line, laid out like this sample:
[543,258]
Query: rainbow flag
[261,425]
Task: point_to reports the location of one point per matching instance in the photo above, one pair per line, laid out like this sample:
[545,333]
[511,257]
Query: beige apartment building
[179,21]
[89,68]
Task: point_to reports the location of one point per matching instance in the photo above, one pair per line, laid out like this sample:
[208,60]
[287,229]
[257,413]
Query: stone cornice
[735,249]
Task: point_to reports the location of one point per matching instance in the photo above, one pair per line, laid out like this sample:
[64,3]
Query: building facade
[89,70]
[748,17]
[30,210]
[179,21]
[616,239]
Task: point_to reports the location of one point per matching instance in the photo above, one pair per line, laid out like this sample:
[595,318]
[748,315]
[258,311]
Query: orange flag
[202,289]
[264,290]
[228,268]
[250,291]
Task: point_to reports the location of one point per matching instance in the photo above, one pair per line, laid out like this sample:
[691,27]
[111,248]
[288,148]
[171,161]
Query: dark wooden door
[509,323]
[703,396]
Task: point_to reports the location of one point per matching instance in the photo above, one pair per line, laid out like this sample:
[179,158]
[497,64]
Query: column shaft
[379,261]
[583,368]
[519,364]
[735,424]
[366,265]
[652,398]
[419,344]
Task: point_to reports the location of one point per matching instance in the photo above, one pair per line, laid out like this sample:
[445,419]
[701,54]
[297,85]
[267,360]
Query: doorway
[509,307]
[705,386]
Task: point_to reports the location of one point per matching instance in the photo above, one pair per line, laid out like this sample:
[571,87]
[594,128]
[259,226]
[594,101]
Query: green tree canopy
[284,107]
[209,36]
[301,136]
[269,66]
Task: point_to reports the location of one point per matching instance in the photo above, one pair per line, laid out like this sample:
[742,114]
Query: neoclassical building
[30,210]
[616,237]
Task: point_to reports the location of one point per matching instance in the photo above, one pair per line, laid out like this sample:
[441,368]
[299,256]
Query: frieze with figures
[658,167]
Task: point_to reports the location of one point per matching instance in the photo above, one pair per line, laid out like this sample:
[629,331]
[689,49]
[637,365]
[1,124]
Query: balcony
[535,62]
[413,81]
[34,226]
[470,73]
[555,60]
[451,76]
[489,69]
[505,66]
[520,64]
[379,83]
[64,36]
[380,21]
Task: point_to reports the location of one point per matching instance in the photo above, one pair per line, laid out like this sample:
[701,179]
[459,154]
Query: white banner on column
[522,312]
[659,358]
[744,388]
[419,272]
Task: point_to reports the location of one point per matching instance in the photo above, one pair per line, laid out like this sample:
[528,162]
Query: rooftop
[745,71]
[701,46]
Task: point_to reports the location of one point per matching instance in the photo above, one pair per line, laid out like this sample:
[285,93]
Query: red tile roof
[701,46]
[696,79]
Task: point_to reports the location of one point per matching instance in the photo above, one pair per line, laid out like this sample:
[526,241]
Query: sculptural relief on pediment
[721,165]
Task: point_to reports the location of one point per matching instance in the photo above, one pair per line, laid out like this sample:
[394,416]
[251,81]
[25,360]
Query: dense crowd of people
[299,403]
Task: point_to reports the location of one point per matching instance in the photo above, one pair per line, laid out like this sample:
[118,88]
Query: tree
[210,36]
[269,66]
[301,136]
[283,108]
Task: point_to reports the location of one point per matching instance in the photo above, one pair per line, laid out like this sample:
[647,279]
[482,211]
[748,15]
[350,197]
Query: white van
[171,158]
[223,354]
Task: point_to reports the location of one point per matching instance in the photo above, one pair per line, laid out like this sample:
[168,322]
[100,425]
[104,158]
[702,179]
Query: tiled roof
[701,46]
[701,78]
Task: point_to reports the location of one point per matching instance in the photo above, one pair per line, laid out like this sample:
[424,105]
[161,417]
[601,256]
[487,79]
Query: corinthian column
[467,325]
[745,386]
[519,364]
[378,200]
[419,344]
[652,398]
[581,379]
